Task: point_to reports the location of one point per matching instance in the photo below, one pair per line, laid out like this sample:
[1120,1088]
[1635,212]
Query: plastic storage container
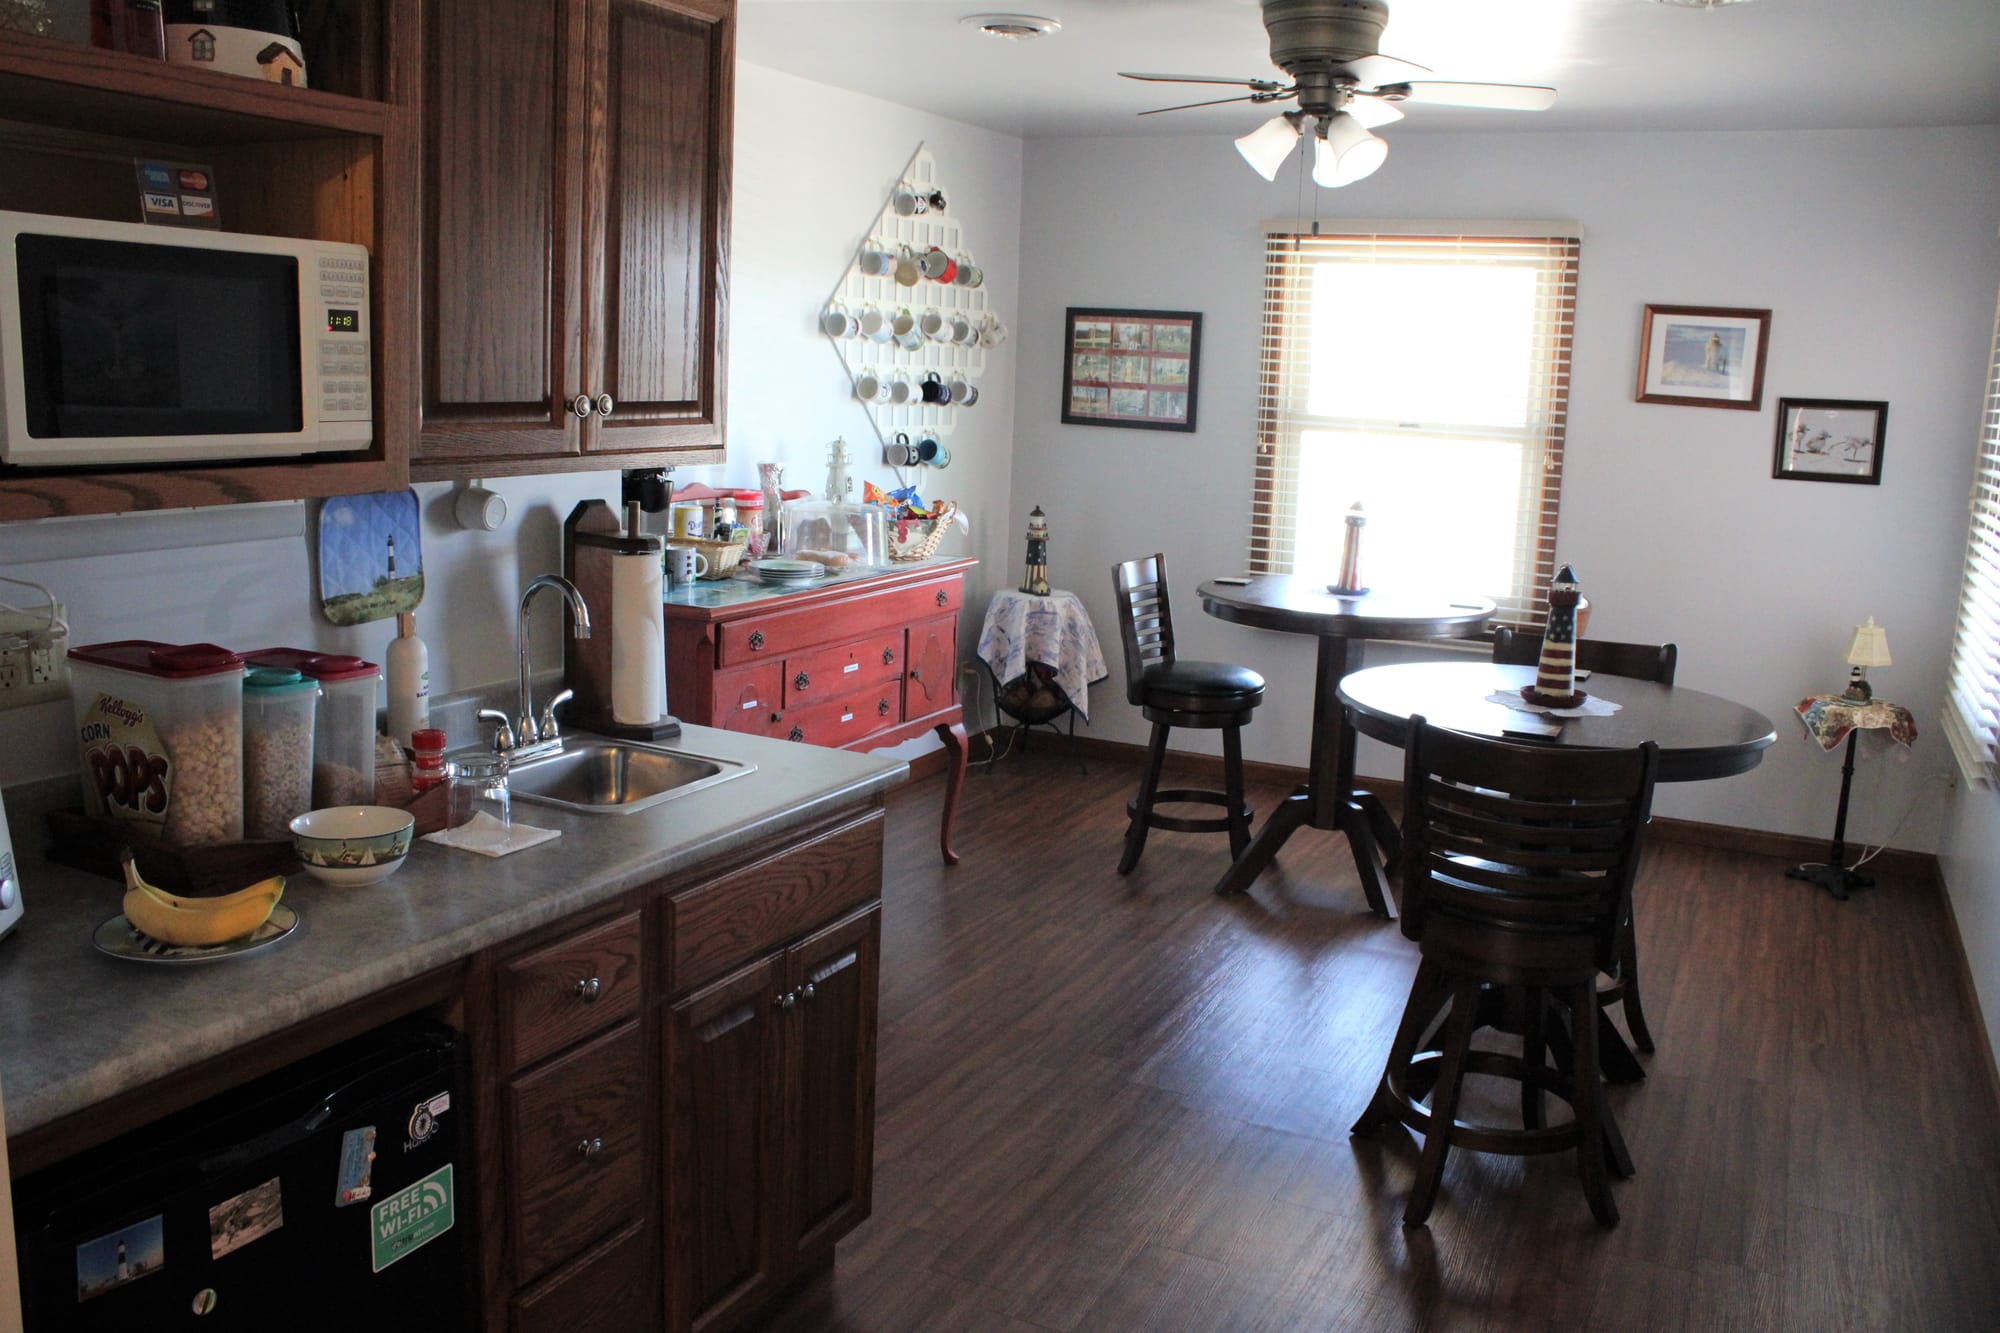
[278,708]
[344,726]
[160,736]
[834,533]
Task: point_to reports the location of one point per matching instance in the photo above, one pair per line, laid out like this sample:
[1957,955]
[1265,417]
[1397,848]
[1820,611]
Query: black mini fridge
[331,1195]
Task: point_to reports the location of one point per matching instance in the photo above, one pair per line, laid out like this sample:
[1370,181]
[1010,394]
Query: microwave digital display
[343,321]
[124,339]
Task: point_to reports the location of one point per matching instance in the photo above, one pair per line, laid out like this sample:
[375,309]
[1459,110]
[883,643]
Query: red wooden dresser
[857,664]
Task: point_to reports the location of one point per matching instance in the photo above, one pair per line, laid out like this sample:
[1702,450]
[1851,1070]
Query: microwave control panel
[345,375]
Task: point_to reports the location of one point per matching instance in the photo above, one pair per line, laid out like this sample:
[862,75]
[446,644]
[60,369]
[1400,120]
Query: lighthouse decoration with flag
[1555,676]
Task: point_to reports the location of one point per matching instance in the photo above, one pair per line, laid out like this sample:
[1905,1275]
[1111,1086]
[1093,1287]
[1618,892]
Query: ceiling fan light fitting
[1345,152]
[1013,27]
[1698,4]
[1266,147]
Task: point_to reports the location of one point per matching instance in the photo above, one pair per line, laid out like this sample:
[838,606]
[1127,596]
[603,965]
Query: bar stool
[1173,693]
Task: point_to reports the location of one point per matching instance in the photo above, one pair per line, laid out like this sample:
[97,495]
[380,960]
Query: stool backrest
[1145,621]
[1536,842]
[1640,661]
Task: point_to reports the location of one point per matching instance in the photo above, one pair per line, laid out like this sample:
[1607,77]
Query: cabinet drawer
[762,638]
[828,673]
[746,697]
[723,923]
[606,1291]
[568,990]
[839,722]
[575,1135]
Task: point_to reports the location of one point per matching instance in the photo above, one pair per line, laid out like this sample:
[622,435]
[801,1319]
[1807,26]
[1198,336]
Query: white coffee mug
[959,386]
[963,331]
[902,322]
[907,272]
[878,258]
[963,278]
[907,202]
[933,325]
[901,390]
[836,322]
[992,332]
[969,397]
[684,564]
[875,324]
[871,386]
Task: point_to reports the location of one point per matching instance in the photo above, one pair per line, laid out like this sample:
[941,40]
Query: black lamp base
[1836,880]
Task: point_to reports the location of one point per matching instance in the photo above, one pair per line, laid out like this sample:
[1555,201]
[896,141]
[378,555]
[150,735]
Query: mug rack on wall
[860,291]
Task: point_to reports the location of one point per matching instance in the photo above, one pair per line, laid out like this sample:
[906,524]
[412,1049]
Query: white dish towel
[483,834]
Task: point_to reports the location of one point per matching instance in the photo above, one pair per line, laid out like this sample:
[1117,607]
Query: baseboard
[1968,989]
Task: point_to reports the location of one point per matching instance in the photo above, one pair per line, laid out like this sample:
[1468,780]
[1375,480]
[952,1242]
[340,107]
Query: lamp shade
[1266,147]
[1870,646]
[1346,152]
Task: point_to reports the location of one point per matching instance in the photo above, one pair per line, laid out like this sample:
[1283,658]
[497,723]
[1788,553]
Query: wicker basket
[722,557]
[924,537]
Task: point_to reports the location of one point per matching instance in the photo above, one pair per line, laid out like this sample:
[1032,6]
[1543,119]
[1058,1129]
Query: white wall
[812,167]
[1876,252]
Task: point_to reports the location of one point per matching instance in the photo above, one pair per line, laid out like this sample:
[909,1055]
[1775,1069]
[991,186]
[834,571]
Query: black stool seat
[1171,693]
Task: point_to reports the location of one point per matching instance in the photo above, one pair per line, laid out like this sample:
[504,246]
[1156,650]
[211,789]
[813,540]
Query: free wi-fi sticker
[412,1218]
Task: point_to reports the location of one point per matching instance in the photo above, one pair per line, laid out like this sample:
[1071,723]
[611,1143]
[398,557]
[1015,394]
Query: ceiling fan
[1343,85]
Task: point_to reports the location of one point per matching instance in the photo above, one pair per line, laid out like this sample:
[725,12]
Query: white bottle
[409,681]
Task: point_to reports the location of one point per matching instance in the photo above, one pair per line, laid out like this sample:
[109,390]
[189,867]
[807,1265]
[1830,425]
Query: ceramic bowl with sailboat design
[353,844]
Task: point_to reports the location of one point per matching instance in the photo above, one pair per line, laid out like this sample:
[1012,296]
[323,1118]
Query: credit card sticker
[357,1165]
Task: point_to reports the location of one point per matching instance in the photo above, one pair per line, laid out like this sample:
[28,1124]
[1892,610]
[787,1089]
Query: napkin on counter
[487,836]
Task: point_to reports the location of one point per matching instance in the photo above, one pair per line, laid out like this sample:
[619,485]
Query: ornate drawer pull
[943,597]
[589,1148]
[588,990]
[882,707]
[756,640]
[888,656]
[801,680]
[798,733]
[914,675]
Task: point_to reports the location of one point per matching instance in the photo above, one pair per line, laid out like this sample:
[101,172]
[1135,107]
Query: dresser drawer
[561,994]
[763,638]
[839,722]
[829,673]
[746,697]
[727,922]
[606,1291]
[575,1135]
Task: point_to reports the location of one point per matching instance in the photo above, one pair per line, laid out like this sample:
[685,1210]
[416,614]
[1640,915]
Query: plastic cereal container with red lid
[344,726]
[160,736]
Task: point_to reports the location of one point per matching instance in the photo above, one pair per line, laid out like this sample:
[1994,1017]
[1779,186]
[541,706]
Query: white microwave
[122,343]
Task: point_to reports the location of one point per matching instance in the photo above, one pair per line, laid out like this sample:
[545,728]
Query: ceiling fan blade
[1372,70]
[1491,96]
[1259,85]
[1371,112]
[1189,106]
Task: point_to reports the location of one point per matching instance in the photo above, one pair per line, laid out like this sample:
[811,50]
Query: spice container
[750,515]
[278,709]
[343,725]
[427,766]
[160,736]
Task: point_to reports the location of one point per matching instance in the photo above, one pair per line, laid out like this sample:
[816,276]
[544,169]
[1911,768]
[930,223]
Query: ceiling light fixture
[1266,147]
[1346,152]
[1699,4]
[1014,27]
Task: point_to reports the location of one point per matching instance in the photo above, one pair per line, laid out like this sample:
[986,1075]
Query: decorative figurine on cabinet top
[1036,581]
[1555,676]
[1349,583]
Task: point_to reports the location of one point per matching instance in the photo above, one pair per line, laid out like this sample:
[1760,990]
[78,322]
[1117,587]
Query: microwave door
[142,352]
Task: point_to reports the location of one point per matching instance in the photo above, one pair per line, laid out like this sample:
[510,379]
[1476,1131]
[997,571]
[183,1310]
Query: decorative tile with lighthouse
[371,557]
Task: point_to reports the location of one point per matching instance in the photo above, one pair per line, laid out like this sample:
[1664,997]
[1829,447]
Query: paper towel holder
[592,536]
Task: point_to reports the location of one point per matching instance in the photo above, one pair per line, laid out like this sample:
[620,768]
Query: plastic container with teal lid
[278,711]
[344,729]
[160,736]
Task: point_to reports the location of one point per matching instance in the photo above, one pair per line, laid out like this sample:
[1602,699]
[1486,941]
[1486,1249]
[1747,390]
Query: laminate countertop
[78,1027]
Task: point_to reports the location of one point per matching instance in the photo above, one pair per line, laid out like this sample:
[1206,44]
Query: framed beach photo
[1703,356]
[1830,439]
[1131,368]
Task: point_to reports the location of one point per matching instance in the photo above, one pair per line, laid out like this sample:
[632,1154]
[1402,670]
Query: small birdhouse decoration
[1349,583]
[1036,582]
[1555,676]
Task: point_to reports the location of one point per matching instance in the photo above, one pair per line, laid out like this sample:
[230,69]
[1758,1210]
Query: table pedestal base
[1371,835]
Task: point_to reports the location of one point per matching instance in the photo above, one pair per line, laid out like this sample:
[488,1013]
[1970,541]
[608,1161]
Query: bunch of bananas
[172,919]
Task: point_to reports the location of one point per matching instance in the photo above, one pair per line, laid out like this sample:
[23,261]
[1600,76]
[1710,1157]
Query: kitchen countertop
[78,1027]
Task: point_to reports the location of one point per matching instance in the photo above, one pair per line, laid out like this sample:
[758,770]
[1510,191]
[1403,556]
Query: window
[1426,375]
[1972,700]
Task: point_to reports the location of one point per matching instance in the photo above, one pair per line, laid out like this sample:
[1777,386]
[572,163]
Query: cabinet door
[724,1101]
[933,673]
[504,169]
[830,1056]
[660,274]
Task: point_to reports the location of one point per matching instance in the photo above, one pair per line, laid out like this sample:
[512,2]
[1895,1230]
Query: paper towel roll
[638,640]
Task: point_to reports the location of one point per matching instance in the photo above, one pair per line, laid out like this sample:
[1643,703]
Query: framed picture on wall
[1133,368]
[1830,439]
[1703,356]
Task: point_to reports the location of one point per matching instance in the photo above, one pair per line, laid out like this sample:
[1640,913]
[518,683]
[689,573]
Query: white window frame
[1972,689]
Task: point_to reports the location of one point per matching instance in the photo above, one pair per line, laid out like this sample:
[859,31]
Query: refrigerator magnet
[242,1218]
[357,1164]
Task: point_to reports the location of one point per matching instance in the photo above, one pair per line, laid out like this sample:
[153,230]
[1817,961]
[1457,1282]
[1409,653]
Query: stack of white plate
[789,571]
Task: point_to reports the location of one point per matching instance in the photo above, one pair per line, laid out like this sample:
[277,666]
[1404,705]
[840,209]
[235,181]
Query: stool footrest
[1187,823]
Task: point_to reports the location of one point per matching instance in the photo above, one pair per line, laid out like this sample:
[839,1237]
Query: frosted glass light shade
[1266,147]
[1346,152]
[1870,646]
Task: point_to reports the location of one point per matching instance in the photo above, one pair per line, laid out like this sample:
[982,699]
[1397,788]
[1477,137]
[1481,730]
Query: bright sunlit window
[1425,376]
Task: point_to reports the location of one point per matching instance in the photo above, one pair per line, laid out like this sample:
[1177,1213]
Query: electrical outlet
[36,673]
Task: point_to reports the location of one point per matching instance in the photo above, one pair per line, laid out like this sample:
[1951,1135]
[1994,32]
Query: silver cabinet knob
[581,406]
[605,405]
[808,991]
[588,990]
[588,1149]
[7,894]
[788,1000]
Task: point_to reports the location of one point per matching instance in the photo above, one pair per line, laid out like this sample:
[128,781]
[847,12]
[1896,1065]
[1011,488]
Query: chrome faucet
[527,738]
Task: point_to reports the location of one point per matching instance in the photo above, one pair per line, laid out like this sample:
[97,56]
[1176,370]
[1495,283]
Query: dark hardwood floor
[1111,1104]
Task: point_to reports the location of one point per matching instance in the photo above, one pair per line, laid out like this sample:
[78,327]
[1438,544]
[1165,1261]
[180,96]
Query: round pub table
[1327,799]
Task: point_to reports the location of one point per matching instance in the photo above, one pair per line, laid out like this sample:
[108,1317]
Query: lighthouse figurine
[1555,675]
[1036,581]
[1349,583]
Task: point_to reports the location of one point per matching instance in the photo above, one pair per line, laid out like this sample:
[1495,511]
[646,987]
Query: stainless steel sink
[607,777]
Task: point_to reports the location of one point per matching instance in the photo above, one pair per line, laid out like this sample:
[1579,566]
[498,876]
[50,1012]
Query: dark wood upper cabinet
[575,234]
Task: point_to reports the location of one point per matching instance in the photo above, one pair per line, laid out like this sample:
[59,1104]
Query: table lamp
[1869,647]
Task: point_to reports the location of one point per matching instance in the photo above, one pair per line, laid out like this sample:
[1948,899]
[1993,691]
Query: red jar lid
[427,740]
[320,666]
[168,661]
[755,499]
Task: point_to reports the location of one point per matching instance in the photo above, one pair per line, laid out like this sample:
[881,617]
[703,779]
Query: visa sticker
[163,203]
[357,1165]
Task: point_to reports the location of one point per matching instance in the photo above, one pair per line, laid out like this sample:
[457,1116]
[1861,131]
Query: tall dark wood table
[1328,799]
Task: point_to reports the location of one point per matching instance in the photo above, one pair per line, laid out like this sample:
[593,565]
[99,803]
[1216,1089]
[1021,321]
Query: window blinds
[1426,375]
[1972,700]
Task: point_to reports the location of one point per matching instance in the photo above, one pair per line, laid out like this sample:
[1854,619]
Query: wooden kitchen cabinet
[575,233]
[863,664]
